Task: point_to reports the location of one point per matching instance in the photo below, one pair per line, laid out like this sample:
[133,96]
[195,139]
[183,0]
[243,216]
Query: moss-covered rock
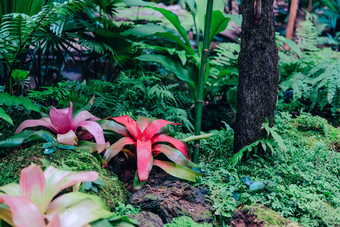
[259,215]
[185,221]
[71,160]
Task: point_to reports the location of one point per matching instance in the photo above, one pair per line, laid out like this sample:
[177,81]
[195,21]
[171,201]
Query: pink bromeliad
[148,142]
[65,125]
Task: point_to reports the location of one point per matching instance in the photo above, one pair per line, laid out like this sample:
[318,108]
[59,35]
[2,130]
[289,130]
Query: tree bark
[258,72]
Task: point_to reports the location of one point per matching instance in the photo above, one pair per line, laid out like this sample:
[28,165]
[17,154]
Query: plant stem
[201,78]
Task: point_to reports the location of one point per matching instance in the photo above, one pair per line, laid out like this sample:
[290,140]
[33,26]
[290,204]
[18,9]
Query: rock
[258,215]
[169,197]
[147,219]
[71,160]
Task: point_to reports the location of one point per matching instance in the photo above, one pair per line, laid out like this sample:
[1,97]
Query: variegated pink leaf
[12,189]
[115,148]
[24,212]
[173,154]
[57,180]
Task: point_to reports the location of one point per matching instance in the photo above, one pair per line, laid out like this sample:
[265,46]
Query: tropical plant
[62,122]
[32,202]
[148,142]
[54,31]
[192,67]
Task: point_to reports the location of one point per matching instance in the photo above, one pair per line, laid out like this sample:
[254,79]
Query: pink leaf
[154,127]
[175,142]
[95,129]
[57,180]
[32,185]
[44,122]
[83,116]
[69,138]
[130,125]
[115,148]
[55,221]
[144,159]
[68,111]
[24,212]
[60,120]
[143,122]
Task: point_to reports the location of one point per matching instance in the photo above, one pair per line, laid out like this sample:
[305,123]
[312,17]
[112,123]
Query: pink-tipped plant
[147,142]
[33,201]
[62,122]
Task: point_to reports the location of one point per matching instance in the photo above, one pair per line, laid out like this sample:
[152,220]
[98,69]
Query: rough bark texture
[258,72]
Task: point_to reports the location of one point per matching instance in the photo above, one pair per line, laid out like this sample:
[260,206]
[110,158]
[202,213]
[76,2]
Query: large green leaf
[24,137]
[177,170]
[219,23]
[4,116]
[174,21]
[169,64]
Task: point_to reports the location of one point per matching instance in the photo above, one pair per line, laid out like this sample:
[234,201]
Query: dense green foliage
[300,184]
[147,65]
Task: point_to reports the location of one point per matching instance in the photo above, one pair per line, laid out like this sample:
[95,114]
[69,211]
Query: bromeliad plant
[62,122]
[32,202]
[147,142]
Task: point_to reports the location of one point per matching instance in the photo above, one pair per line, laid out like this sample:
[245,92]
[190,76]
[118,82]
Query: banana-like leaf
[177,170]
[169,64]
[173,19]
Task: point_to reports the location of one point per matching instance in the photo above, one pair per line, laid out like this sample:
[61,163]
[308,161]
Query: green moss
[267,216]
[314,129]
[185,221]
[12,164]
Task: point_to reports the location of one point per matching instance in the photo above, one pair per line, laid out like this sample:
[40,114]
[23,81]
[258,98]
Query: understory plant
[147,142]
[62,123]
[34,201]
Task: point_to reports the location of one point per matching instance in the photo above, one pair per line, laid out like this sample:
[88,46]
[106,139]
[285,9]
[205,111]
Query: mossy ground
[267,216]
[71,160]
[314,129]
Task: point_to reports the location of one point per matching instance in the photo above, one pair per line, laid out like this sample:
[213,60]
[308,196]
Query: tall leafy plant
[190,67]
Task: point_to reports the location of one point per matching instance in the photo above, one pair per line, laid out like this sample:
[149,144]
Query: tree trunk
[258,72]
